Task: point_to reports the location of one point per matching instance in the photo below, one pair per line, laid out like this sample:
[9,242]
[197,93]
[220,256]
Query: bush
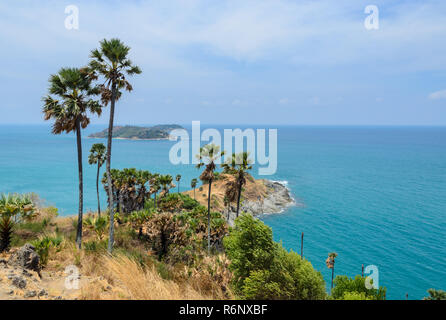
[263,269]
[436,295]
[175,202]
[344,285]
[43,246]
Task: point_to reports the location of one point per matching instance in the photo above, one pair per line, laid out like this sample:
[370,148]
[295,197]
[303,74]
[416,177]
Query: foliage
[14,208]
[436,295]
[43,246]
[175,202]
[355,296]
[263,269]
[97,154]
[98,225]
[165,230]
[130,188]
[344,284]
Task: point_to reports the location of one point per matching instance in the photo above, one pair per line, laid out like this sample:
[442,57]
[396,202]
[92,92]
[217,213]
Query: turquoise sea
[374,195]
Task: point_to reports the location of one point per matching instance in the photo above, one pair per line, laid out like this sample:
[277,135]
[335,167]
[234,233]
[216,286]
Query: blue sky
[241,61]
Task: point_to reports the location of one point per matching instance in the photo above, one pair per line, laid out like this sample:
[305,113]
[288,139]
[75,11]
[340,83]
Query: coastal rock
[26,258]
[277,199]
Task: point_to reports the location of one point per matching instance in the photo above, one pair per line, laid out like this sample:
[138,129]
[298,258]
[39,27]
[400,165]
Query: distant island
[158,132]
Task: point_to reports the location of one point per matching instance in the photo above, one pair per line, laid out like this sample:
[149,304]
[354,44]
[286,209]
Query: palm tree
[193,185]
[210,153]
[330,262]
[166,183]
[178,178]
[111,62]
[156,187]
[97,156]
[73,87]
[231,193]
[238,166]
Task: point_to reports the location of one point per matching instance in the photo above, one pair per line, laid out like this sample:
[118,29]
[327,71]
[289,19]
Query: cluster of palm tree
[131,188]
[71,100]
[237,165]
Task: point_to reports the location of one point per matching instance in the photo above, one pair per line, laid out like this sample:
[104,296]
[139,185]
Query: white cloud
[437,95]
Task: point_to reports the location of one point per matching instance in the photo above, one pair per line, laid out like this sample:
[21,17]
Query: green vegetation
[135,132]
[346,288]
[43,246]
[263,269]
[14,208]
[436,295]
[97,156]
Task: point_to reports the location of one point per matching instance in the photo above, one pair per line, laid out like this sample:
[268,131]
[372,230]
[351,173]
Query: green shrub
[344,284]
[436,295]
[43,246]
[263,269]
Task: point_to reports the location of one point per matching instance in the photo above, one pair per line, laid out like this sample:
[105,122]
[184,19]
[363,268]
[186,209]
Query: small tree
[193,185]
[97,156]
[263,269]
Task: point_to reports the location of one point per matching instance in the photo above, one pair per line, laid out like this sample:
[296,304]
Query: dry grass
[251,191]
[131,281]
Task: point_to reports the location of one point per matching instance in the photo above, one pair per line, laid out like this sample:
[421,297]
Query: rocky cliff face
[276,199]
[259,197]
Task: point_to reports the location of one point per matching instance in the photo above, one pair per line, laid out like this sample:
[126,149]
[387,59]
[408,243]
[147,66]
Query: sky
[276,62]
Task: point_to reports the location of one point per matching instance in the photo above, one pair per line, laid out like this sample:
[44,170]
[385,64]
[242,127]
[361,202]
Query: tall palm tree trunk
[97,191]
[194,194]
[81,187]
[108,165]
[332,276]
[239,195]
[209,217]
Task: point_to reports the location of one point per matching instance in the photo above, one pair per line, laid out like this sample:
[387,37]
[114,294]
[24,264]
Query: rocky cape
[259,197]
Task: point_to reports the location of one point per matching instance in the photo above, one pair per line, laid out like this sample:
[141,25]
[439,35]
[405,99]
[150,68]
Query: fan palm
[13,208]
[207,157]
[111,62]
[166,183]
[178,178]
[97,156]
[69,110]
[193,185]
[238,166]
